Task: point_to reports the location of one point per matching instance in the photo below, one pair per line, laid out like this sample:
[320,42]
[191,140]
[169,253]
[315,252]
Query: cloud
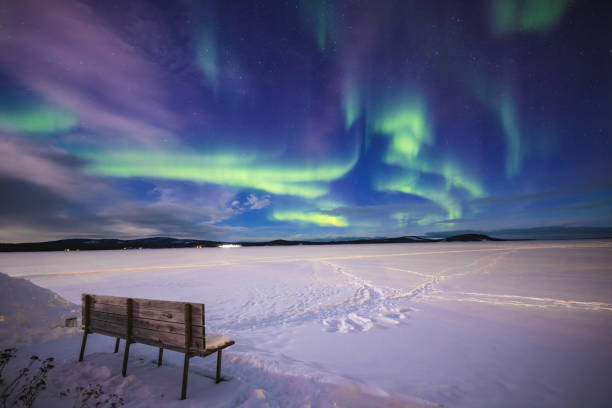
[135,219]
[52,169]
[45,196]
[255,203]
[63,51]
[32,212]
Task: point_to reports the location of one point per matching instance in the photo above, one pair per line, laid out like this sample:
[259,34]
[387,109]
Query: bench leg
[83,346]
[218,367]
[125,357]
[185,373]
[161,355]
[117,345]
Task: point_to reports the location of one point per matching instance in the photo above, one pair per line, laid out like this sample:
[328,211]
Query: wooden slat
[129,319]
[114,309]
[165,305]
[171,327]
[109,300]
[203,326]
[172,339]
[108,317]
[146,313]
[187,326]
[149,309]
[117,330]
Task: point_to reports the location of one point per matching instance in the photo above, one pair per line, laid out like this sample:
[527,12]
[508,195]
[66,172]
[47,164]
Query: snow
[31,314]
[214,341]
[454,324]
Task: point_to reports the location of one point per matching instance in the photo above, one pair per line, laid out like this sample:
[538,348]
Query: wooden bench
[165,324]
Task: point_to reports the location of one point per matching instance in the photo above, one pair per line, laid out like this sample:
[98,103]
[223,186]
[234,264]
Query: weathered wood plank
[203,317]
[187,327]
[114,309]
[171,327]
[148,309]
[172,339]
[140,333]
[165,305]
[110,300]
[108,317]
[117,330]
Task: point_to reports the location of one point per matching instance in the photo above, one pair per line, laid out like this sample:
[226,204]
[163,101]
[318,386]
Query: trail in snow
[524,301]
[372,306]
[339,300]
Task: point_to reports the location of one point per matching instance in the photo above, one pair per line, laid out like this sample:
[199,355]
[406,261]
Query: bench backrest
[161,323]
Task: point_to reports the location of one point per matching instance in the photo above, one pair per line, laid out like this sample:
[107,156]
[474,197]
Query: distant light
[230,246]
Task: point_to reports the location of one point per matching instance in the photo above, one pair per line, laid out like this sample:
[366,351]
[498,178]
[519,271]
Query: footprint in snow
[353,322]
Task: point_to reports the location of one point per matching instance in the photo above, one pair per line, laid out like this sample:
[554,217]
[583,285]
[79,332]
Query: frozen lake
[458,324]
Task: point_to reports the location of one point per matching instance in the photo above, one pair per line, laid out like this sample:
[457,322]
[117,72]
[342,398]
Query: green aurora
[233,169]
[44,119]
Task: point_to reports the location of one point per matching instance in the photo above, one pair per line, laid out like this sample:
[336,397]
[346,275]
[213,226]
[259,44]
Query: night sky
[252,120]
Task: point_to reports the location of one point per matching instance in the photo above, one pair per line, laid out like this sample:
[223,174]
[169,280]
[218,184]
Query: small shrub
[91,396]
[28,383]
[5,357]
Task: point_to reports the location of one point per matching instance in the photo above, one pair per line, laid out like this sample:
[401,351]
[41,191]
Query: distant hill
[470,238]
[409,239]
[540,233]
[165,242]
[101,244]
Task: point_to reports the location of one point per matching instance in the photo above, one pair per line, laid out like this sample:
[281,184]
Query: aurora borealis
[302,119]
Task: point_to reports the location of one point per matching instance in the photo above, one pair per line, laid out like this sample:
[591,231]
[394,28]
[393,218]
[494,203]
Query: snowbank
[29,313]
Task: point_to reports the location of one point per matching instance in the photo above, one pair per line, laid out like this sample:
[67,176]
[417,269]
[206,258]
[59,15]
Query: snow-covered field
[457,324]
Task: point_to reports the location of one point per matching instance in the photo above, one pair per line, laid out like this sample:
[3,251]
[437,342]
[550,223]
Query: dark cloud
[34,213]
[45,196]
[26,201]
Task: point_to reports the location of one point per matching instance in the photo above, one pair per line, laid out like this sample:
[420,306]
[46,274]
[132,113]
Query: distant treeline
[165,242]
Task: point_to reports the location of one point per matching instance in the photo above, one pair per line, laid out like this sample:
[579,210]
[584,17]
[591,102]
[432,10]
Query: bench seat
[169,325]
